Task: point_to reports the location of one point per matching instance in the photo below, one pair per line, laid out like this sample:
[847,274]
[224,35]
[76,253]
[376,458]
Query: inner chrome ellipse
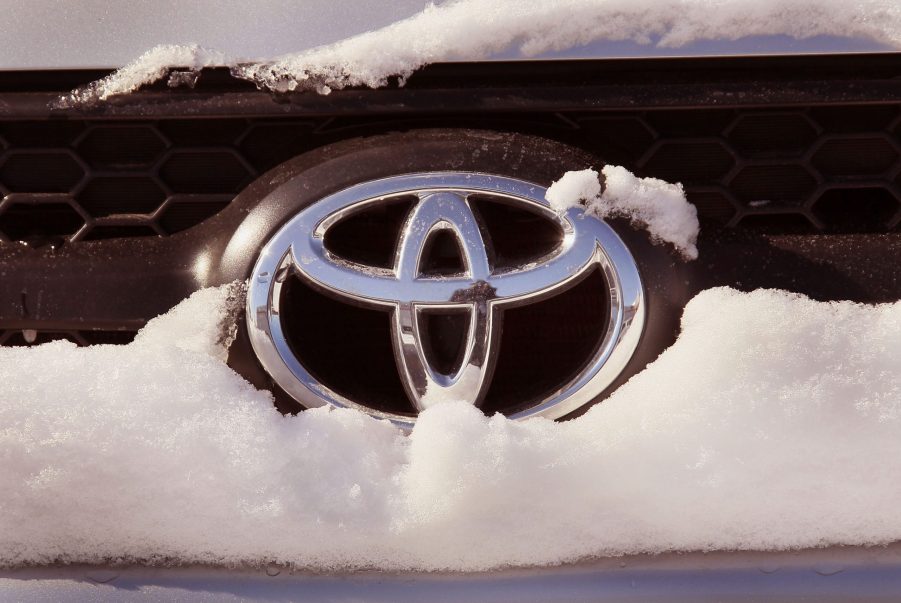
[481,290]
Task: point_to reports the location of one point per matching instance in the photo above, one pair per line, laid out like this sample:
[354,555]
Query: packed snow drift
[774,422]
[468,30]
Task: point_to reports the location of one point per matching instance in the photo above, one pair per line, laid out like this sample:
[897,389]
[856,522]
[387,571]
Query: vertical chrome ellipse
[447,211]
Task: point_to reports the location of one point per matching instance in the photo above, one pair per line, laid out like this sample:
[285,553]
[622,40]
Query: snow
[151,66]
[574,188]
[477,29]
[649,203]
[774,422]
[467,30]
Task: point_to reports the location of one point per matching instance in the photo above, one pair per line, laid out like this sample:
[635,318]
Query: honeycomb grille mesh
[811,169]
[83,180]
[807,169]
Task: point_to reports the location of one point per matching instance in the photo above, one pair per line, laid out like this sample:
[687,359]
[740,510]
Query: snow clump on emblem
[655,205]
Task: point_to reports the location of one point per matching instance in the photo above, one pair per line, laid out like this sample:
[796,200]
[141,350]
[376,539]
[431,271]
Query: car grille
[792,162]
[84,180]
[777,170]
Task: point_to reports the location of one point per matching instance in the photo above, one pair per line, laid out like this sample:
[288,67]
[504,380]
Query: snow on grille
[467,30]
[658,206]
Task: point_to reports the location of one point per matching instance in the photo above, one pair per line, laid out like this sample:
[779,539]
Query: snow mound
[153,65]
[773,423]
[468,30]
[655,205]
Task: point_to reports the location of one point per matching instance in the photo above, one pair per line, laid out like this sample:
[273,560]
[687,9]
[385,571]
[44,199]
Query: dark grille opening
[17,338]
[111,231]
[773,184]
[181,215]
[545,345]
[203,132]
[856,209]
[370,236]
[41,133]
[690,122]
[40,172]
[713,206]
[205,172]
[854,157]
[267,144]
[622,139]
[778,223]
[689,163]
[518,236]
[868,118]
[336,341]
[27,221]
[105,196]
[107,337]
[772,133]
[121,147]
